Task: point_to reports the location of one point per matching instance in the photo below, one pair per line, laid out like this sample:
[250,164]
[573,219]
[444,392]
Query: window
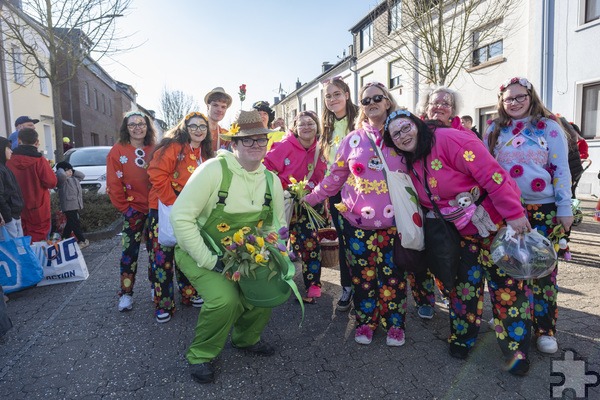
[366,37]
[109,107]
[485,114]
[95,139]
[590,112]
[18,66]
[486,53]
[316,104]
[592,10]
[103,104]
[96,99]
[395,74]
[395,15]
[86,93]
[43,83]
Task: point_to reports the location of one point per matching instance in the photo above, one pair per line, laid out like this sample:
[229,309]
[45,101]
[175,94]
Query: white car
[92,162]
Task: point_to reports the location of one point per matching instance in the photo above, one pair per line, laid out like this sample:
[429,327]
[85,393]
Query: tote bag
[19,267]
[61,262]
[166,236]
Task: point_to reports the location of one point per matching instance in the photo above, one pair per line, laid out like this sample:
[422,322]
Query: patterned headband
[195,114]
[393,116]
[131,113]
[521,81]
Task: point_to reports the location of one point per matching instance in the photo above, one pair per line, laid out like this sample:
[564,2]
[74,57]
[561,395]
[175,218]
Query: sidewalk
[69,341]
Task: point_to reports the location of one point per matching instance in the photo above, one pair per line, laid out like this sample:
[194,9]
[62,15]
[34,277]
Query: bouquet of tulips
[246,251]
[298,190]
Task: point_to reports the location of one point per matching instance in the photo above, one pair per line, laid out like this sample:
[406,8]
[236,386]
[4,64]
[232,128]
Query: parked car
[92,162]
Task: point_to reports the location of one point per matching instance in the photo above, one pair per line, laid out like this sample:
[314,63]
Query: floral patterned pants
[545,290]
[134,230]
[511,301]
[379,286]
[422,288]
[164,271]
[305,243]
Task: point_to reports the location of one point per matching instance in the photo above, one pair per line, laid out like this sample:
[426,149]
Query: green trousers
[224,307]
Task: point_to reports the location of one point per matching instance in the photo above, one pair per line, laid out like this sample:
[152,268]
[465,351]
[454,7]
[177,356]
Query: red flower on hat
[242,92]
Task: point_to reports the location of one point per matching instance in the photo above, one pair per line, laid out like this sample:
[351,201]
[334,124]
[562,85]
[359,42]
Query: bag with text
[19,267]
[62,262]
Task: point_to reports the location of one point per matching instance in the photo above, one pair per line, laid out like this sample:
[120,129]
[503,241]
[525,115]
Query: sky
[196,45]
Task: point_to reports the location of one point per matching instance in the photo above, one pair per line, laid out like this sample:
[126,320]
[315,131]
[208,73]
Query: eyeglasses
[194,128]
[141,125]
[405,129]
[335,95]
[262,142]
[441,105]
[309,125]
[376,99]
[511,100]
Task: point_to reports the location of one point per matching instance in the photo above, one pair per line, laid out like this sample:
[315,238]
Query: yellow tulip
[260,241]
[250,248]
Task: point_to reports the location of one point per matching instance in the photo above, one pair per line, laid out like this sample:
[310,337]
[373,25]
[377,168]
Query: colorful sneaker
[314,291]
[125,302]
[196,301]
[163,317]
[547,344]
[363,335]
[395,337]
[84,244]
[426,312]
[345,300]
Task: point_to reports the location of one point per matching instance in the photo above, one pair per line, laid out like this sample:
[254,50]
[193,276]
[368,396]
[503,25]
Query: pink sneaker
[395,337]
[363,335]
[314,291]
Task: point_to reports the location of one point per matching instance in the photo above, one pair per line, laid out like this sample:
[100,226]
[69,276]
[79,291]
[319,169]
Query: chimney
[326,66]
[298,84]
[282,96]
[275,100]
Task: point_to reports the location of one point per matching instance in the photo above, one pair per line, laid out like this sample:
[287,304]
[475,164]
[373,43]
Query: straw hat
[247,123]
[217,90]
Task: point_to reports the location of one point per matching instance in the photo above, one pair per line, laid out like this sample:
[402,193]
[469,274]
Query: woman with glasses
[176,157]
[367,221]
[529,144]
[298,157]
[337,119]
[443,163]
[442,104]
[128,187]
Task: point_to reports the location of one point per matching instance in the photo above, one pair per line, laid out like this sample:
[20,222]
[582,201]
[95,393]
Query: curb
[115,227]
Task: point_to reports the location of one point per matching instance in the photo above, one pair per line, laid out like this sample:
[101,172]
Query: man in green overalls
[224,194]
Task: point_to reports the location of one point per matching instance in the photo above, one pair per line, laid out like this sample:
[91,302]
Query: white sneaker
[547,344]
[163,317]
[362,339]
[125,302]
[395,337]
[197,301]
[84,244]
[152,295]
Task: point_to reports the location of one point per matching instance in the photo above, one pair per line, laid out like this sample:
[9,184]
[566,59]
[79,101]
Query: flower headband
[393,116]
[521,81]
[130,113]
[195,114]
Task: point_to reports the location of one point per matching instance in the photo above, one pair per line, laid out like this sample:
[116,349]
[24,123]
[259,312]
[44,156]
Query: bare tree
[56,37]
[433,40]
[174,105]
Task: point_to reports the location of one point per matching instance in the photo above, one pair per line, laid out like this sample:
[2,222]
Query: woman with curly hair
[176,157]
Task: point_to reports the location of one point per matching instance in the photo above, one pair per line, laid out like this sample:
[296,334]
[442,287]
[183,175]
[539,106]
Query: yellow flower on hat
[234,129]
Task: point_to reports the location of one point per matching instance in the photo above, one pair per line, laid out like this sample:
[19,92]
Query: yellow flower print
[191,169]
[469,156]
[497,177]
[193,157]
[223,227]
[336,141]
[436,164]
[340,163]
[130,198]
[226,241]
[341,207]
[433,182]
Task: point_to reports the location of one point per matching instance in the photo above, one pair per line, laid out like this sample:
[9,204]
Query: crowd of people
[202,182]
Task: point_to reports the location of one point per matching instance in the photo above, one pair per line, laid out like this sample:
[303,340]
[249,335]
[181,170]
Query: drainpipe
[4,79]
[547,47]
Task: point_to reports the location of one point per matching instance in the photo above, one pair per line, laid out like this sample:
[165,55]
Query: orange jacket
[127,182]
[169,176]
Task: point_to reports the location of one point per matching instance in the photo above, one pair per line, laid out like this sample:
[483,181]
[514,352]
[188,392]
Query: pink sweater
[458,162]
[358,171]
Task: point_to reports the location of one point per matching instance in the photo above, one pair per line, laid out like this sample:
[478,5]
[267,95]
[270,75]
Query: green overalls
[224,304]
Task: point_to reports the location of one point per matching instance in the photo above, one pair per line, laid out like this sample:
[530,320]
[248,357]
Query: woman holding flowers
[528,143]
[337,119]
[128,187]
[368,218]
[183,149]
[442,163]
[231,192]
[297,160]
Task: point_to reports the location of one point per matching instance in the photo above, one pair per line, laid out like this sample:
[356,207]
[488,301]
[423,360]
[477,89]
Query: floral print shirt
[536,157]
[358,171]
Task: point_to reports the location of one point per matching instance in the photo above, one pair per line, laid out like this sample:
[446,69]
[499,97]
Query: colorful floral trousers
[345,278]
[511,301]
[164,271]
[422,288]
[545,290]
[379,286]
[306,246]
[134,230]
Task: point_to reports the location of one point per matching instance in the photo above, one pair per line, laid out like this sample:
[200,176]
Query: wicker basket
[329,248]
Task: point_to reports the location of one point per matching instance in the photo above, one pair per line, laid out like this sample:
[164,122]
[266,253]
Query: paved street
[69,341]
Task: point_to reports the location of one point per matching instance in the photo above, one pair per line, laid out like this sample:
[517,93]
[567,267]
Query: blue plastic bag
[19,267]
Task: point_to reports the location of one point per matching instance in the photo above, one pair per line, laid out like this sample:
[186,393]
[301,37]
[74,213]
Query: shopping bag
[19,267]
[166,236]
[407,210]
[62,262]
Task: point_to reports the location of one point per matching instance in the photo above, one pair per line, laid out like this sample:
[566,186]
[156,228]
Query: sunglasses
[329,80]
[378,98]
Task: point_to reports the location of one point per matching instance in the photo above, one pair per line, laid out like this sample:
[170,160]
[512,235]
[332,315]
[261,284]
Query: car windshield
[87,157]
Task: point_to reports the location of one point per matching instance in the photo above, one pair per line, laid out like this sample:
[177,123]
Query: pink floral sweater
[459,162]
[358,171]
[289,158]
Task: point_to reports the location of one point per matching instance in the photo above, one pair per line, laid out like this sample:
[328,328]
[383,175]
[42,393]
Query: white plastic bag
[166,236]
[407,211]
[523,256]
[62,262]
